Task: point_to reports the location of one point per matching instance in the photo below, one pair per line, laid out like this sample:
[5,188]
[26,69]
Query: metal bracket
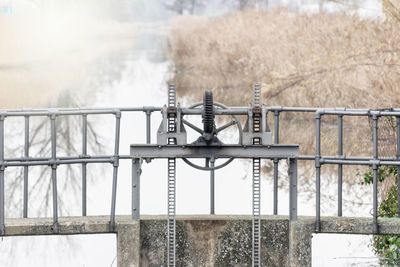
[256,127]
[163,133]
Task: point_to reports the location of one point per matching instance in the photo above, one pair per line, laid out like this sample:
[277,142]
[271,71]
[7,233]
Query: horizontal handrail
[53,161]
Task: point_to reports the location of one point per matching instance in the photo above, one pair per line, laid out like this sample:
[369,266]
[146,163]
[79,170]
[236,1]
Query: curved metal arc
[236,122]
[191,164]
[223,127]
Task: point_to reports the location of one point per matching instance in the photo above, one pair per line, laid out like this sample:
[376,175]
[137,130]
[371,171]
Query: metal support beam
[148,127]
[318,171]
[26,168]
[84,165]
[398,167]
[211,163]
[136,172]
[54,171]
[226,151]
[115,170]
[375,172]
[292,189]
[340,166]
[2,169]
[276,162]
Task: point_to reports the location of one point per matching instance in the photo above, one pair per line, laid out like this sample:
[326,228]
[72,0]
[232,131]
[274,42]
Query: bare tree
[176,6]
[243,4]
[350,4]
[185,6]
[68,143]
[320,5]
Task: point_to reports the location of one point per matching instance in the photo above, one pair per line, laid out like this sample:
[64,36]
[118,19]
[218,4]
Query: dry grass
[319,60]
[391,8]
[302,60]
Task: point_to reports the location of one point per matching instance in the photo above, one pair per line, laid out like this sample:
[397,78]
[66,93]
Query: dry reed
[318,60]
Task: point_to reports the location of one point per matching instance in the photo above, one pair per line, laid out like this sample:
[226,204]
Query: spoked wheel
[210,130]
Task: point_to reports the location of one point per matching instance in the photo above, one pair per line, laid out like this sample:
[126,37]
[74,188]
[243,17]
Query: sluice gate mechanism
[255,142]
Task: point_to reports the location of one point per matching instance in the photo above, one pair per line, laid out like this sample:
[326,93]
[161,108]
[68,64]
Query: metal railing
[374,161]
[54,161]
[340,159]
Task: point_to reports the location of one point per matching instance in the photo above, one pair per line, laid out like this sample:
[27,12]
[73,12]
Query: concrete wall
[206,240]
[301,233]
[214,241]
[127,230]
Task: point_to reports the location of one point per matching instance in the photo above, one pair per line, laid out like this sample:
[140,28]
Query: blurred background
[103,53]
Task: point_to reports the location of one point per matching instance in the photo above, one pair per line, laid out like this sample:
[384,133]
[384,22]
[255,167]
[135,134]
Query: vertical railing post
[148,126]
[318,170]
[292,189]
[115,169]
[340,166]
[210,163]
[398,167]
[84,165]
[54,170]
[375,167]
[212,187]
[276,161]
[26,168]
[136,172]
[2,169]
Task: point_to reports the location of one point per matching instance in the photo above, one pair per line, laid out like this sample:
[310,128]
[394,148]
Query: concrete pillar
[128,243]
[300,234]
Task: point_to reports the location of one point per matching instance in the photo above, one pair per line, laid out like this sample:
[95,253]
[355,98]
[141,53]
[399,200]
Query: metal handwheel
[210,131]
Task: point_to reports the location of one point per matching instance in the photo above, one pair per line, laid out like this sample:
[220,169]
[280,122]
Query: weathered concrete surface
[127,230]
[67,225]
[206,240]
[215,241]
[128,243]
[300,242]
[301,233]
[357,225]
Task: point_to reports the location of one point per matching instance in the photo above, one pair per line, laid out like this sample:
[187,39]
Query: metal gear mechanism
[208,116]
[209,133]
